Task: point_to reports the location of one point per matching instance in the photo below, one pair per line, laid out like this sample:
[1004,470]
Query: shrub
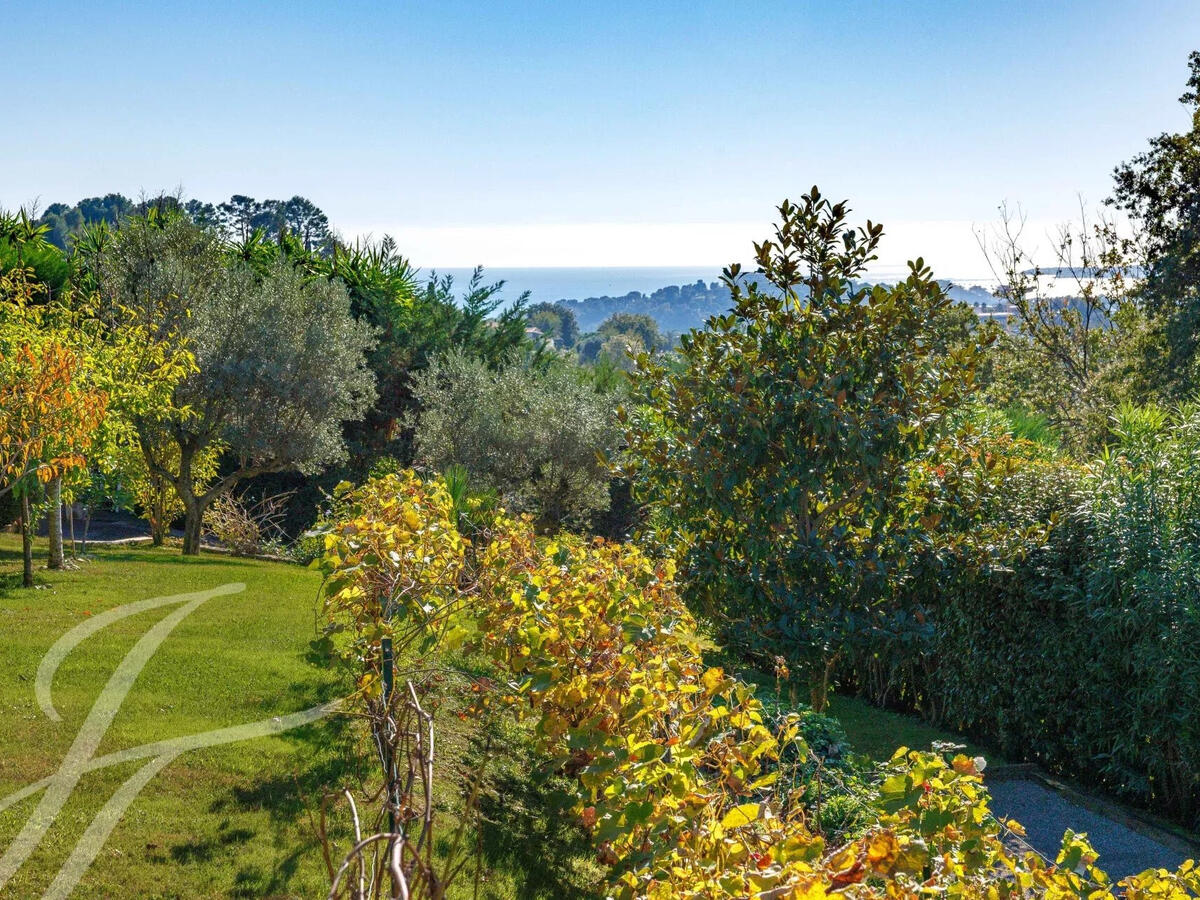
[534,436]
[245,527]
[775,456]
[1100,615]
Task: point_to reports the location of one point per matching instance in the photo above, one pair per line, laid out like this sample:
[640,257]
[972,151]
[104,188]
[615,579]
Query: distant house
[538,336]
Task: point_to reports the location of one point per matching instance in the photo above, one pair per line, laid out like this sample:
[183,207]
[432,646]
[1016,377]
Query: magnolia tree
[773,454]
[280,363]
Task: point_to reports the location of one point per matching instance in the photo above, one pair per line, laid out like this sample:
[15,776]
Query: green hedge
[1084,655]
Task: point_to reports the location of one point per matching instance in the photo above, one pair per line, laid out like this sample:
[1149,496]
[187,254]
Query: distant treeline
[237,218]
[674,308]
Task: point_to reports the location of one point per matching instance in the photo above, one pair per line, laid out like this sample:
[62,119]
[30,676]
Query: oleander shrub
[1079,653]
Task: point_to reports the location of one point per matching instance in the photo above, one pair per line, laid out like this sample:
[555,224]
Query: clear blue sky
[515,133]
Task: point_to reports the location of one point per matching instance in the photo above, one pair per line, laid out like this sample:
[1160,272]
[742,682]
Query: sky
[596,134]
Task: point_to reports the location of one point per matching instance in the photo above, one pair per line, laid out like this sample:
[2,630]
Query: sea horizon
[553,283]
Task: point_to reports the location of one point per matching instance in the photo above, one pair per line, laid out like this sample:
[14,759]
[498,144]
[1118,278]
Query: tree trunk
[193,523]
[158,510]
[820,684]
[26,540]
[158,531]
[193,506]
[56,529]
[71,524]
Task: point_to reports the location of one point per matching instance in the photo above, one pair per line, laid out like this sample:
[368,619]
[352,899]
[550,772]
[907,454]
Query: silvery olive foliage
[282,366]
[534,436]
[280,360]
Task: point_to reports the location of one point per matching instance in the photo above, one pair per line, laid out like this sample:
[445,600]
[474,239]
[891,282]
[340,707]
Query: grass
[218,822]
[878,732]
[872,731]
[234,820]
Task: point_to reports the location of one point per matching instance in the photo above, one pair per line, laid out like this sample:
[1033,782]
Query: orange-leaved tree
[48,409]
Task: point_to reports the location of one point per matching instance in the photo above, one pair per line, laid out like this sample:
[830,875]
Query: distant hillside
[971,296]
[674,308]
[1084,271]
[678,308]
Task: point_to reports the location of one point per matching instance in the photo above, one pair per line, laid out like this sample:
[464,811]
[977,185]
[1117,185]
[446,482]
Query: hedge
[1084,654]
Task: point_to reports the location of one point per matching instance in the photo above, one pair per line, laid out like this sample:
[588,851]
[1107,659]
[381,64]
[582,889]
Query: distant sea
[551,284]
[562,283]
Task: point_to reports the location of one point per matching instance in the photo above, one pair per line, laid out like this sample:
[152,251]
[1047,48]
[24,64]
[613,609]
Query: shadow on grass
[290,797]
[324,759]
[526,829]
[252,881]
[10,583]
[172,558]
[10,562]
[10,578]
[202,851]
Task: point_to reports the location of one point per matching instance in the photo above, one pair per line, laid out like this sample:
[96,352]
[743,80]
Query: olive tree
[536,437]
[280,361]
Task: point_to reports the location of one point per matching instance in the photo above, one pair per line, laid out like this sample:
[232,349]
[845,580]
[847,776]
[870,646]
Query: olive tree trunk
[193,503]
[160,522]
[158,525]
[193,527]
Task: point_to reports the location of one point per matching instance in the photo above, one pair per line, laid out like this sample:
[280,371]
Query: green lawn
[870,730]
[217,822]
[232,820]
[878,732]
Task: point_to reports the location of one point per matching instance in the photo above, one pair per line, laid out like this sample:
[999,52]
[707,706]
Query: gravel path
[107,526]
[1046,814]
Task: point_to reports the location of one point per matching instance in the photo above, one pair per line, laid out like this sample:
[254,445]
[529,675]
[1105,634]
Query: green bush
[1081,655]
[775,451]
[536,437]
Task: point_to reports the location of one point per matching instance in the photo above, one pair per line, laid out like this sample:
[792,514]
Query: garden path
[1125,847]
